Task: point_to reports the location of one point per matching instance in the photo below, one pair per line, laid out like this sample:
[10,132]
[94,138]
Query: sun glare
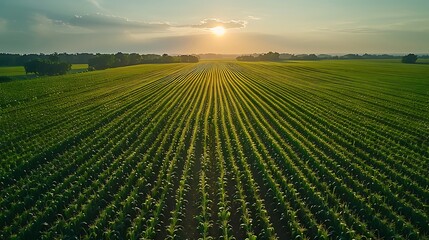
[218,31]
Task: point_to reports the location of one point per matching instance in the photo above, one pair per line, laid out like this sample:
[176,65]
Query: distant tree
[58,68]
[188,59]
[95,61]
[149,58]
[78,58]
[101,61]
[134,59]
[7,59]
[121,59]
[165,58]
[324,56]
[298,56]
[285,56]
[43,67]
[104,61]
[410,58]
[54,57]
[248,58]
[351,56]
[270,56]
[32,66]
[312,57]
[21,61]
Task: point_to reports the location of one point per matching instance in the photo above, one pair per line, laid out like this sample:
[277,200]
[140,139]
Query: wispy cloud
[96,4]
[43,25]
[254,18]
[114,23]
[213,22]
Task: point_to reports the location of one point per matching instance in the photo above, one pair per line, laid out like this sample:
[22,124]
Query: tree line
[60,63]
[9,59]
[104,61]
[270,56]
[274,56]
[49,66]
[287,56]
[410,58]
[46,67]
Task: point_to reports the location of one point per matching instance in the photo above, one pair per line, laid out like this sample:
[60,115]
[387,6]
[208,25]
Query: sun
[218,31]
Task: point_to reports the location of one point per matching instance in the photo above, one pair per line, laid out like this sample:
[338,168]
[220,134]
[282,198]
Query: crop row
[215,150]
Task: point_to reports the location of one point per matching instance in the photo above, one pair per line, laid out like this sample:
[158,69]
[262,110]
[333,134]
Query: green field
[12,71]
[18,72]
[221,149]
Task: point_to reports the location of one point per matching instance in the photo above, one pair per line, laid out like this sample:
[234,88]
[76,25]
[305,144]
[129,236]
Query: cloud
[95,3]
[43,23]
[213,22]
[114,23]
[254,18]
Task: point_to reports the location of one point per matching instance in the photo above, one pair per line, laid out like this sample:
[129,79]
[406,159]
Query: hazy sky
[183,26]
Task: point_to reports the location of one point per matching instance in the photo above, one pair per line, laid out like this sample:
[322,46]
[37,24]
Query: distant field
[221,149]
[79,67]
[19,71]
[12,71]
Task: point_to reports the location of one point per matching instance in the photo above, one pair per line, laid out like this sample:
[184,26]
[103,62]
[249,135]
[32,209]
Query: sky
[185,26]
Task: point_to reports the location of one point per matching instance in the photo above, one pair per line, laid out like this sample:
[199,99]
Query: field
[218,149]
[18,72]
